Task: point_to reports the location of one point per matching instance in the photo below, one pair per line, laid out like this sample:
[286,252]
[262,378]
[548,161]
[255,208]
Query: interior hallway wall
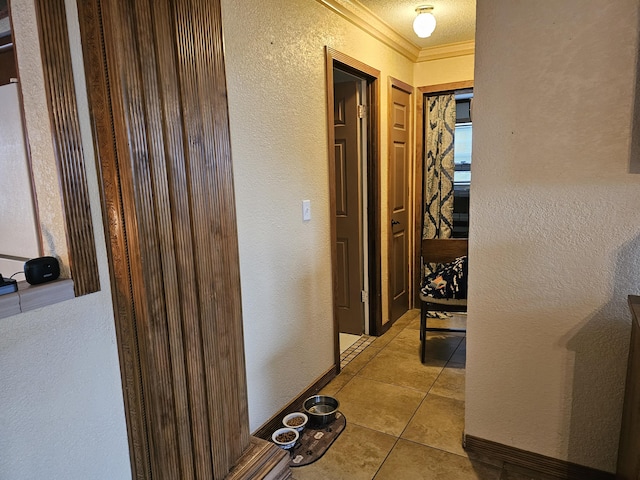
[61,407]
[555,230]
[275,64]
[443,70]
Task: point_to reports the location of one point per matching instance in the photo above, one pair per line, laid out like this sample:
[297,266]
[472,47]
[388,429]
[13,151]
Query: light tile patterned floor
[405,420]
[354,350]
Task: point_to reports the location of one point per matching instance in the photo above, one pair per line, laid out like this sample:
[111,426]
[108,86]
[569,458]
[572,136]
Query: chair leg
[423,348]
[423,332]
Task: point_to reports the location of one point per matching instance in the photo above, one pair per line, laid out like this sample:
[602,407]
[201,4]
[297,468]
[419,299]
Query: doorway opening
[352,106]
[463,94]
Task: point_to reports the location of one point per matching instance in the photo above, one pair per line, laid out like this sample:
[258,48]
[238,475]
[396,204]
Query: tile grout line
[412,415]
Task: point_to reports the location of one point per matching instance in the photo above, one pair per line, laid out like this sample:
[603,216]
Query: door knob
[394,222]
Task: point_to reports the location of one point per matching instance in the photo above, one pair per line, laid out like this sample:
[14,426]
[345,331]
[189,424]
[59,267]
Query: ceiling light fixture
[425,22]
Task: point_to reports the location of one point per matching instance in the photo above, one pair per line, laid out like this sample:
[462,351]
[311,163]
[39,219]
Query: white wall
[15,184]
[277,101]
[555,230]
[61,407]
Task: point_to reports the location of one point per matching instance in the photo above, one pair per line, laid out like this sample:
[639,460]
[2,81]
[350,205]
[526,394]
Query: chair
[439,251]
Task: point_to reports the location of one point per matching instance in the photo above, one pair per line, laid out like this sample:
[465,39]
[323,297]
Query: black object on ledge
[7,285]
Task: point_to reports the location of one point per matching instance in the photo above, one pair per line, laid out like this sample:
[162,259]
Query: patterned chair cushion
[448,281]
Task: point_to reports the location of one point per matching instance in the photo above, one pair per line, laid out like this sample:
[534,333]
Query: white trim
[447,51]
[377,28]
[372,25]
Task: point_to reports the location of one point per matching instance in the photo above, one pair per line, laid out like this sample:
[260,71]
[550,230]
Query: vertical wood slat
[61,100]
[98,80]
[211,90]
[196,178]
[173,236]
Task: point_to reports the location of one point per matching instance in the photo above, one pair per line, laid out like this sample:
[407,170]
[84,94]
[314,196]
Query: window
[462,160]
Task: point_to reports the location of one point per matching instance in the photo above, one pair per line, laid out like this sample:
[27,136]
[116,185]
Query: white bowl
[290,443]
[288,418]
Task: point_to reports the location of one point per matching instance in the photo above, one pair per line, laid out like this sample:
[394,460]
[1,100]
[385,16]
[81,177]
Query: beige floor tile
[440,346]
[450,383]
[361,360]
[460,355]
[336,384]
[407,318]
[411,461]
[407,341]
[438,423]
[454,321]
[356,455]
[402,369]
[379,406]
[383,340]
[414,325]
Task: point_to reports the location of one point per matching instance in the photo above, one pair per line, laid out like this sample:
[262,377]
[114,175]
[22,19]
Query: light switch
[306,210]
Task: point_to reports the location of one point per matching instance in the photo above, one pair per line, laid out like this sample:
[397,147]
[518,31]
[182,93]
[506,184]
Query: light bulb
[424,24]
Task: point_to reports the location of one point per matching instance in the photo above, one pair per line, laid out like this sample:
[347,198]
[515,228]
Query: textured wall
[444,70]
[61,410]
[555,229]
[48,197]
[15,183]
[277,100]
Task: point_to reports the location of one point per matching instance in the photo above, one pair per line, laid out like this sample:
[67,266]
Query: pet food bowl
[321,409]
[296,420]
[285,437]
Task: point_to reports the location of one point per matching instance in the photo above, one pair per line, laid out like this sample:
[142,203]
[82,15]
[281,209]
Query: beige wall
[277,100]
[554,221]
[555,230]
[61,408]
[48,195]
[443,70]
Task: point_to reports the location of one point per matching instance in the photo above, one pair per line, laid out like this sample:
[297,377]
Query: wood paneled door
[400,96]
[348,209]
[157,96]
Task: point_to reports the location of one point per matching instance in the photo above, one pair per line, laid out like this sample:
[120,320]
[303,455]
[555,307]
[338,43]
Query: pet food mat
[315,441]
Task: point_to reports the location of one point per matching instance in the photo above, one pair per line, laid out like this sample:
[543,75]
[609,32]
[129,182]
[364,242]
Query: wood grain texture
[628,465]
[67,143]
[97,79]
[408,210]
[443,250]
[553,467]
[158,106]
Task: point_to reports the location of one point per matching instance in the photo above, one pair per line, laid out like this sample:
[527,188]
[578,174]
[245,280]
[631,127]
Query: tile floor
[353,348]
[416,431]
[346,340]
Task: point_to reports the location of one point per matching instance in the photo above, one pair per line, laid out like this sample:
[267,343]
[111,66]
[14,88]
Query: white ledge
[29,297]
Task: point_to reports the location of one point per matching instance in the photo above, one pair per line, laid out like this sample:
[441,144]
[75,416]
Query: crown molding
[370,23]
[447,51]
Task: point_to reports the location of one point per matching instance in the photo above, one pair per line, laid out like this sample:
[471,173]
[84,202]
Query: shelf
[29,297]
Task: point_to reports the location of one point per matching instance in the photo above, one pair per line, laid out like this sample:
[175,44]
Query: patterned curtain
[440,125]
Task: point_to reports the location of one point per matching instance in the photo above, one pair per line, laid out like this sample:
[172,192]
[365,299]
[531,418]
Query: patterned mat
[315,441]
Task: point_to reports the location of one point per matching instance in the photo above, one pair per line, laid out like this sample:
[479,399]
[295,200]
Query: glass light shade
[424,24]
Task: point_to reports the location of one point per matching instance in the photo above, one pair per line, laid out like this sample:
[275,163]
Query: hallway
[405,420]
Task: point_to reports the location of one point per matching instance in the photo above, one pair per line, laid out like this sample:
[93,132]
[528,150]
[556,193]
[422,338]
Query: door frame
[419,172]
[339,60]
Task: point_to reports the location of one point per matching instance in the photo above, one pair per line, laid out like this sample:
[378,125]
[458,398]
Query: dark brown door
[398,202]
[348,219]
